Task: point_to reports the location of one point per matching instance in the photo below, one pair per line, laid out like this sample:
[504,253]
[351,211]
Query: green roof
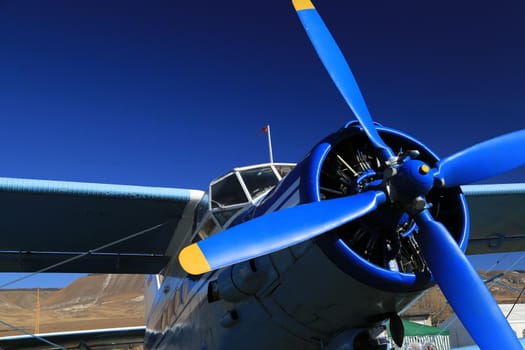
[415,329]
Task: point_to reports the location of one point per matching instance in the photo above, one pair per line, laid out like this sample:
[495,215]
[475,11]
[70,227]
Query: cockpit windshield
[227,192]
[259,180]
[242,187]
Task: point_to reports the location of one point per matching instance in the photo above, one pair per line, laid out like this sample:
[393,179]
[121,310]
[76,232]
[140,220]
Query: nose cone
[415,178]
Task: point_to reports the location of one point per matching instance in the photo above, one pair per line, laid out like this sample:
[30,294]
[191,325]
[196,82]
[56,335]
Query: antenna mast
[266,130]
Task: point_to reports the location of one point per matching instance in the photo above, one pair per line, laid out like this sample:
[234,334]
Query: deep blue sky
[169,93]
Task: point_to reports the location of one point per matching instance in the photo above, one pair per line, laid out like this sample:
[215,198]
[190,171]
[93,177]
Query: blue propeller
[275,231]
[457,278]
[461,285]
[339,71]
[483,160]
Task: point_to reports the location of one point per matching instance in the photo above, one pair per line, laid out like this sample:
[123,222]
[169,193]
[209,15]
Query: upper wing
[497,215]
[115,228]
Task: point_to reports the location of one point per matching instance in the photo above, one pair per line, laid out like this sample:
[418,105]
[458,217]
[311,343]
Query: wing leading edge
[497,215]
[116,228]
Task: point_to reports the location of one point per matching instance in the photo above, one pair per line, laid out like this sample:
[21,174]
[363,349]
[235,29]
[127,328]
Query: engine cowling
[379,249]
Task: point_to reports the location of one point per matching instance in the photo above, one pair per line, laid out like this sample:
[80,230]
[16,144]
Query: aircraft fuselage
[334,291]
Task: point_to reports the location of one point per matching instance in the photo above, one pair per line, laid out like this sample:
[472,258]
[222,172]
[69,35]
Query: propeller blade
[275,231]
[463,288]
[486,159]
[339,71]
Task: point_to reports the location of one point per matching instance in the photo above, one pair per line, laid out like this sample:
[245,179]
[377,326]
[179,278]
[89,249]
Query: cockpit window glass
[227,192]
[259,180]
[283,170]
[207,229]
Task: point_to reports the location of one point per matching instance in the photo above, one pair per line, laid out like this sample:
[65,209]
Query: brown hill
[104,301]
[97,290]
[14,299]
[95,301]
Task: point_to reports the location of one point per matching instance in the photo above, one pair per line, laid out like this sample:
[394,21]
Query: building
[419,336]
[460,337]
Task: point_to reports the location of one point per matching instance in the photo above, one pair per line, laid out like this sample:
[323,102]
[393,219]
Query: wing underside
[98,228]
[497,215]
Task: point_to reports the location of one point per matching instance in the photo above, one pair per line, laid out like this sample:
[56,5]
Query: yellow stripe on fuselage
[302,5]
[193,261]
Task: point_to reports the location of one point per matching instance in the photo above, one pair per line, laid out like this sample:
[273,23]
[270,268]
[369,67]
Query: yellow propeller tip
[302,5]
[193,261]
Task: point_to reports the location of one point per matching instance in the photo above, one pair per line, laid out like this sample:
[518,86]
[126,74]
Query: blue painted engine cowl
[379,249]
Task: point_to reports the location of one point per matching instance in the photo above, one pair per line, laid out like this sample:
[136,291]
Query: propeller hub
[412,179]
